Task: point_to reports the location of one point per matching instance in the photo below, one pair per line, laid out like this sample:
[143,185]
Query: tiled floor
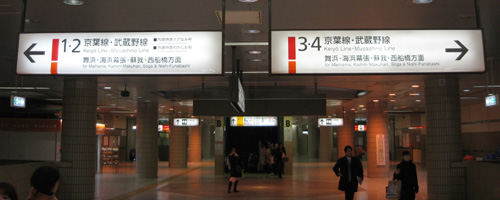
[310,181]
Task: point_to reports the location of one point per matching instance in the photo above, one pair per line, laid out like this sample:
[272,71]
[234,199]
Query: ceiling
[186,15]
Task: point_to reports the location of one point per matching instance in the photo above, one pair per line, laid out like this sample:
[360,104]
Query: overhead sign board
[330,121]
[186,122]
[121,53]
[254,121]
[376,51]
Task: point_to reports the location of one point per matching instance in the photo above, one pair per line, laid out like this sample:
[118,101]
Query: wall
[480,129]
[482,180]
[25,145]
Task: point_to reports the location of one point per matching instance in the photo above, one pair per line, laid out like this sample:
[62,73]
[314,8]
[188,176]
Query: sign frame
[372,73]
[23,51]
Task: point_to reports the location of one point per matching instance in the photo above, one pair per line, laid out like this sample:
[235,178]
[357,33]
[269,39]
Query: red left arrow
[28,53]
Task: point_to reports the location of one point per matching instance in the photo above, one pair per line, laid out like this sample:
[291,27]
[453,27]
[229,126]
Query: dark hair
[406,153]
[347,147]
[9,190]
[44,179]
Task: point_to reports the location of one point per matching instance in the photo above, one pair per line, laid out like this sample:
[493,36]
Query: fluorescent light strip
[483,86]
[24,88]
[247,43]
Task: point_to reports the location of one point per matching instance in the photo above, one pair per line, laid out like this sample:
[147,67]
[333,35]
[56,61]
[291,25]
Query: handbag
[285,158]
[393,190]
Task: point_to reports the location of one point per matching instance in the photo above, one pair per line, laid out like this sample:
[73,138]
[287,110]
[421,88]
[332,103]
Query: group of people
[44,184]
[350,171]
[271,161]
[271,158]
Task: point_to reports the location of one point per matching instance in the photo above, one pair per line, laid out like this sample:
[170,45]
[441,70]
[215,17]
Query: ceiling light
[466,90]
[54,99]
[107,88]
[248,1]
[415,86]
[483,86]
[255,52]
[375,100]
[24,88]
[252,31]
[393,100]
[109,94]
[418,100]
[414,94]
[392,94]
[422,1]
[361,93]
[256,60]
[361,106]
[73,2]
[353,109]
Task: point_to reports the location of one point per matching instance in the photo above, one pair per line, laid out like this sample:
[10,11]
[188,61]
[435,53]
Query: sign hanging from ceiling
[186,122]
[376,51]
[330,121]
[121,53]
[254,121]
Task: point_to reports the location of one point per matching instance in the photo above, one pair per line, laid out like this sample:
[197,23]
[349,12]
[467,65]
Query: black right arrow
[28,53]
[463,50]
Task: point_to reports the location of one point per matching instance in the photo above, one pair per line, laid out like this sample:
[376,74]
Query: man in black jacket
[350,171]
[407,173]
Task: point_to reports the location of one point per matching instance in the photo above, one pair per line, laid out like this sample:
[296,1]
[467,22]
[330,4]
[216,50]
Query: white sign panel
[186,122]
[120,53]
[254,121]
[330,121]
[380,149]
[491,100]
[376,51]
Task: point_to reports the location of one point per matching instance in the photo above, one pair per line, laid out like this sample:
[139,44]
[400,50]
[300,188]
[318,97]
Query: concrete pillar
[345,134]
[178,147]
[442,102]
[147,140]
[313,138]
[78,139]
[219,146]
[378,161]
[194,144]
[288,133]
[325,144]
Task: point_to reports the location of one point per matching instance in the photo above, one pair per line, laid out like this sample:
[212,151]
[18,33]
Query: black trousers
[349,195]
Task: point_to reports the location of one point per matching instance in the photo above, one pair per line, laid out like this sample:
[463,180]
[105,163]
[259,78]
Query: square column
[78,138]
[219,146]
[444,139]
[147,140]
[313,137]
[288,143]
[378,161]
[194,144]
[345,135]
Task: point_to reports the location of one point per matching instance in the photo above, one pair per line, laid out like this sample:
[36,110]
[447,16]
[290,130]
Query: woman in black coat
[350,171]
[234,165]
[407,173]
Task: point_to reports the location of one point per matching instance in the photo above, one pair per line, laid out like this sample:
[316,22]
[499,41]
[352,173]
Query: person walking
[234,164]
[359,152]
[350,171]
[279,163]
[407,173]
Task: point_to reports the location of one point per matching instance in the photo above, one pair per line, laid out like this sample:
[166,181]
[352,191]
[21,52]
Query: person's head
[7,192]
[406,156]
[276,145]
[348,151]
[45,181]
[233,150]
[280,145]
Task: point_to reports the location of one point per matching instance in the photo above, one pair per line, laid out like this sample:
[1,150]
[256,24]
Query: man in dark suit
[350,171]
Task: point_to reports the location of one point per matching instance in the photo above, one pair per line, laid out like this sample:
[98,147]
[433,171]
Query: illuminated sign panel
[330,121]
[376,51]
[121,53]
[186,122]
[360,127]
[17,101]
[491,100]
[254,121]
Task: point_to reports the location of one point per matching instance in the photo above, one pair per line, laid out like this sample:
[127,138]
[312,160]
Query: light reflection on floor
[310,181]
